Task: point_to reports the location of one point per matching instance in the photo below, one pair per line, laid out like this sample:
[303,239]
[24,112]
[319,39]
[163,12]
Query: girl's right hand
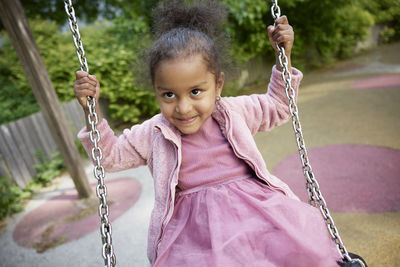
[86,85]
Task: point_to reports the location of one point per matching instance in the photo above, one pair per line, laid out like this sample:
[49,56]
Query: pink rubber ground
[353,178]
[377,82]
[55,220]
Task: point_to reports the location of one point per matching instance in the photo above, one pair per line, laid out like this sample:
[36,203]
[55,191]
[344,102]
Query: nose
[183,106]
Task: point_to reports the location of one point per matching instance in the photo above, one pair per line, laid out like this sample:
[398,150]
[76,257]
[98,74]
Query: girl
[216,204]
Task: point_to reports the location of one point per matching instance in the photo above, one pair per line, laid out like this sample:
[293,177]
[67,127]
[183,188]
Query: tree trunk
[15,22]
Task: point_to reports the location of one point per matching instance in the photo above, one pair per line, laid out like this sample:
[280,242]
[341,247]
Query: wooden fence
[21,139]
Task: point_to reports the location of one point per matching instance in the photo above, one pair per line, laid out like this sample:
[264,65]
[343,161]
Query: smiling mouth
[187,121]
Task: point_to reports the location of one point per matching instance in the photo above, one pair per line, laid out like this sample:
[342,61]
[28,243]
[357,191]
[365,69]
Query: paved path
[352,129]
[129,231]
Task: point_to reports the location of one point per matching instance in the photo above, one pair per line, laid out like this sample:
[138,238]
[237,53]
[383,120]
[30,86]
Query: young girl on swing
[216,204]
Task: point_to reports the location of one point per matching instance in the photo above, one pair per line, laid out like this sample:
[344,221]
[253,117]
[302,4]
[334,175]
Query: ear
[220,84]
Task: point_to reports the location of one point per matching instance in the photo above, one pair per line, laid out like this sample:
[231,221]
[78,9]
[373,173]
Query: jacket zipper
[248,161]
[169,197]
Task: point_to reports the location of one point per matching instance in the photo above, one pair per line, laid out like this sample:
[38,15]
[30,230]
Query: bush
[15,102]
[247,27]
[55,49]
[48,169]
[111,51]
[12,197]
[324,29]
[387,14]
[352,33]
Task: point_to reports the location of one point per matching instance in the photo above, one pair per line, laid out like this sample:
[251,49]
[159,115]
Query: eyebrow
[192,87]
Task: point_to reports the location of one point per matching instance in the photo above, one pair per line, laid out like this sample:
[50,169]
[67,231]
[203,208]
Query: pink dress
[226,217]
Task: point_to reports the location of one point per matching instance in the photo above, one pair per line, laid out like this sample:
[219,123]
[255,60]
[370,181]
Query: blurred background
[335,41]
[113,31]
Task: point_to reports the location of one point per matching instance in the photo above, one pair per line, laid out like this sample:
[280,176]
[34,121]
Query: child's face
[186,91]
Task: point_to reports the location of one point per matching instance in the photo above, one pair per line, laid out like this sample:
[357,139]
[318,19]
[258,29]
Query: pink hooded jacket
[157,143]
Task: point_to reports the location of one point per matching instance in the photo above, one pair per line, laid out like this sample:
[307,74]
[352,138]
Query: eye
[169,95]
[195,92]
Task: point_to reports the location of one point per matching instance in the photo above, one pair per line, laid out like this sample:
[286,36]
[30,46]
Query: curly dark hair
[182,29]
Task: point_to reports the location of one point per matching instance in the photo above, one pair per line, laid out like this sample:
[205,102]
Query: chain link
[315,196]
[97,155]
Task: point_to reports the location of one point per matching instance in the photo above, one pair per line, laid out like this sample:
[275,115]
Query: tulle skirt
[243,222]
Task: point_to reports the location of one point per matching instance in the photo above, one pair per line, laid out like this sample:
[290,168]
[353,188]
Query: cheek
[206,106]
[166,109]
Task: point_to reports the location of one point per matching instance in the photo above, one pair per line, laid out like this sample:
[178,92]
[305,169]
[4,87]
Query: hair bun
[206,16]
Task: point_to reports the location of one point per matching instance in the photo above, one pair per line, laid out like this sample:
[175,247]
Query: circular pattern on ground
[65,217]
[352,178]
[377,82]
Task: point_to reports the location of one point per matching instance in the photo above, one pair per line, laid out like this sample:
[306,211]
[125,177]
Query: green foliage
[17,99]
[14,103]
[87,11]
[48,169]
[387,14]
[12,197]
[111,51]
[129,9]
[247,27]
[351,33]
[324,29]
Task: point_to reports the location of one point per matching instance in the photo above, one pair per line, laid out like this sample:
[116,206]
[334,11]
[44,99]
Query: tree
[16,23]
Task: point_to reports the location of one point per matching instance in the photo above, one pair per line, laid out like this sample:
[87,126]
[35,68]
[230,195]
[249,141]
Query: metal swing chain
[315,197]
[97,155]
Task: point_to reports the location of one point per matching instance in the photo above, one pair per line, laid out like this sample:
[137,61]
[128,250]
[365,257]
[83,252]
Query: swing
[315,197]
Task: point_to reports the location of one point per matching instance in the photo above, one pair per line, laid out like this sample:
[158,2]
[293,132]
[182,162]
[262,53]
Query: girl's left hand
[282,34]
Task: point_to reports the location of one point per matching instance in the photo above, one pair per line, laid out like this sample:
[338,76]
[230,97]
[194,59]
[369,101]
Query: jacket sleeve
[262,112]
[129,150]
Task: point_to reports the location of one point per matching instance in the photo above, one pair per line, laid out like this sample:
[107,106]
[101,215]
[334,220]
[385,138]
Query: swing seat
[355,264]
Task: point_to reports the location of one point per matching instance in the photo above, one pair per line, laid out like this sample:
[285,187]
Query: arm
[262,112]
[265,111]
[129,150]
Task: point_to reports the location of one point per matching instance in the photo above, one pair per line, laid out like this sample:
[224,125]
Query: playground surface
[351,122]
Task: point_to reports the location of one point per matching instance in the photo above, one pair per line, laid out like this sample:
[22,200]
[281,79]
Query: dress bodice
[207,158]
